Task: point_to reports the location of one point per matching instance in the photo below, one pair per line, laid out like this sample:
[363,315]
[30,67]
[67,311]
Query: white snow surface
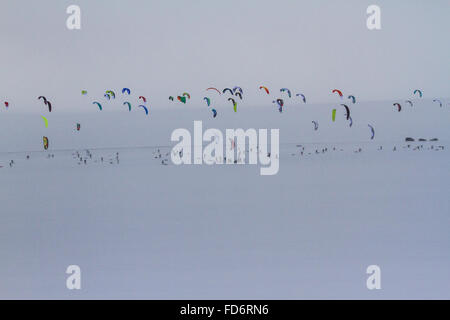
[139,229]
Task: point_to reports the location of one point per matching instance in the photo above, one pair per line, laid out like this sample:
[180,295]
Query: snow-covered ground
[140,229]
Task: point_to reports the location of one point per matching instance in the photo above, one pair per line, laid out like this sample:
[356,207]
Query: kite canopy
[372,131]
[228,89]
[286,90]
[301,95]
[98,104]
[145,109]
[265,89]
[419,92]
[353,98]
[438,101]
[128,104]
[339,92]
[234,104]
[45,121]
[347,109]
[238,89]
[46,102]
[214,89]
[45,141]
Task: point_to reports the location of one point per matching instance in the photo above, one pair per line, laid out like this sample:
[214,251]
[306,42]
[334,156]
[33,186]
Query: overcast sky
[162,48]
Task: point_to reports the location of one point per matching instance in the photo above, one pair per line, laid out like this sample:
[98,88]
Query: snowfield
[141,229]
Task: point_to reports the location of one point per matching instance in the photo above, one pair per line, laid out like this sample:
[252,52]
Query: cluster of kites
[110,94]
[286,93]
[233,96]
[182,98]
[418,92]
[48,104]
[279,101]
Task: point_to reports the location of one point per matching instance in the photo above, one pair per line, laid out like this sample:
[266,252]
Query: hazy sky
[162,48]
